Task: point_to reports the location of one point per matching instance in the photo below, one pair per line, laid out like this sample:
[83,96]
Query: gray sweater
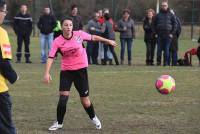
[94,24]
[126,29]
[109,33]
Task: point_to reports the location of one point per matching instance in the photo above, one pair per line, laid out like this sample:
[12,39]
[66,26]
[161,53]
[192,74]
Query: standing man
[174,45]
[94,27]
[6,74]
[164,27]
[77,21]
[46,24]
[23,29]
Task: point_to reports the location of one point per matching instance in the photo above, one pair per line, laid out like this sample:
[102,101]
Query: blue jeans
[45,41]
[173,58]
[163,45]
[92,52]
[129,42]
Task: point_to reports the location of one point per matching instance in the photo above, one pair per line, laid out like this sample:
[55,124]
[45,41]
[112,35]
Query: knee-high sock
[90,111]
[61,108]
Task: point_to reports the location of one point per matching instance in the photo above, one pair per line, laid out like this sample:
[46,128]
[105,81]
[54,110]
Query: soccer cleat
[55,126]
[97,122]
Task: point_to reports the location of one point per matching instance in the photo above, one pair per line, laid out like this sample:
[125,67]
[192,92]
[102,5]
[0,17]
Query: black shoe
[158,64]
[152,64]
[28,61]
[129,63]
[122,62]
[110,62]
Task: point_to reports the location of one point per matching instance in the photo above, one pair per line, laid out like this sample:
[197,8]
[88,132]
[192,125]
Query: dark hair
[2,3]
[66,18]
[73,6]
[107,16]
[23,5]
[126,11]
[46,6]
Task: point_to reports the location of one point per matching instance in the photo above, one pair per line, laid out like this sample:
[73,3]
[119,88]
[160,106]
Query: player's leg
[66,80]
[82,85]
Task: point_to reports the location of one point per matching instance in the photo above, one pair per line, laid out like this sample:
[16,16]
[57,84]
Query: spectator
[7,73]
[126,28]
[174,45]
[165,27]
[94,28]
[101,46]
[109,33]
[23,29]
[149,37]
[77,21]
[46,24]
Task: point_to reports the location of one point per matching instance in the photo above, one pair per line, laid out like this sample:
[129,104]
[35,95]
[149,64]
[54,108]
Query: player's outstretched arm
[47,76]
[101,39]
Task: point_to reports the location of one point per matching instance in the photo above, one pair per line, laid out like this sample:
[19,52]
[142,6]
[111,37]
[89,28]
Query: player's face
[3,13]
[23,9]
[67,26]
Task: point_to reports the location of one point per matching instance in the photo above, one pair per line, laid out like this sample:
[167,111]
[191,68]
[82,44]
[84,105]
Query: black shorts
[78,77]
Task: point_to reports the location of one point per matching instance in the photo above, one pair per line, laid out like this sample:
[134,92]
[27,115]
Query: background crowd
[162,31]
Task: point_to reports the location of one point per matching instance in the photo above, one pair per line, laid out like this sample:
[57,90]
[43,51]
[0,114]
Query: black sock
[90,111]
[61,108]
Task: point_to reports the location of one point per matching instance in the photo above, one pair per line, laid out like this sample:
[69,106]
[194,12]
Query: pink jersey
[73,53]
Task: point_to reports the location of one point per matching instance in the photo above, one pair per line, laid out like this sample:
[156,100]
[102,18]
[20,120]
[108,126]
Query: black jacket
[148,29]
[174,44]
[77,23]
[46,24]
[22,24]
[164,24]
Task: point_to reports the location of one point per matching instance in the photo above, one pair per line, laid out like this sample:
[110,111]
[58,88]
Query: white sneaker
[97,122]
[55,126]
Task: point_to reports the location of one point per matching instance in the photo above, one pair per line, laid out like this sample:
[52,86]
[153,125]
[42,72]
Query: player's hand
[112,43]
[47,78]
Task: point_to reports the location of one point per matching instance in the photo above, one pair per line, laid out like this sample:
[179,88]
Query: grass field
[124,97]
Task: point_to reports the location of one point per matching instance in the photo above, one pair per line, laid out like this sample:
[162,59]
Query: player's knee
[85,102]
[63,100]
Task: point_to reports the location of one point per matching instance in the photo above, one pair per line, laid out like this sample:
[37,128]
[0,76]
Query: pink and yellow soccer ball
[165,84]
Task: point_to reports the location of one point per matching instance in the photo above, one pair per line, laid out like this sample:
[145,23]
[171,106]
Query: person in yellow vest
[7,73]
[57,30]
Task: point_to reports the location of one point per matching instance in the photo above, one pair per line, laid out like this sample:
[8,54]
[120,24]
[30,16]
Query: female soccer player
[74,65]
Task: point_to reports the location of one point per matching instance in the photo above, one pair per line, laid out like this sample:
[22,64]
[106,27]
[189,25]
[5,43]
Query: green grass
[124,97]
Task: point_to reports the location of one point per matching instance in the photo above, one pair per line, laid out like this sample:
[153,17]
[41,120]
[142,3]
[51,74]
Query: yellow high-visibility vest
[6,54]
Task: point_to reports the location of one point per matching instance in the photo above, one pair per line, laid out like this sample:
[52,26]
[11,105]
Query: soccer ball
[165,84]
